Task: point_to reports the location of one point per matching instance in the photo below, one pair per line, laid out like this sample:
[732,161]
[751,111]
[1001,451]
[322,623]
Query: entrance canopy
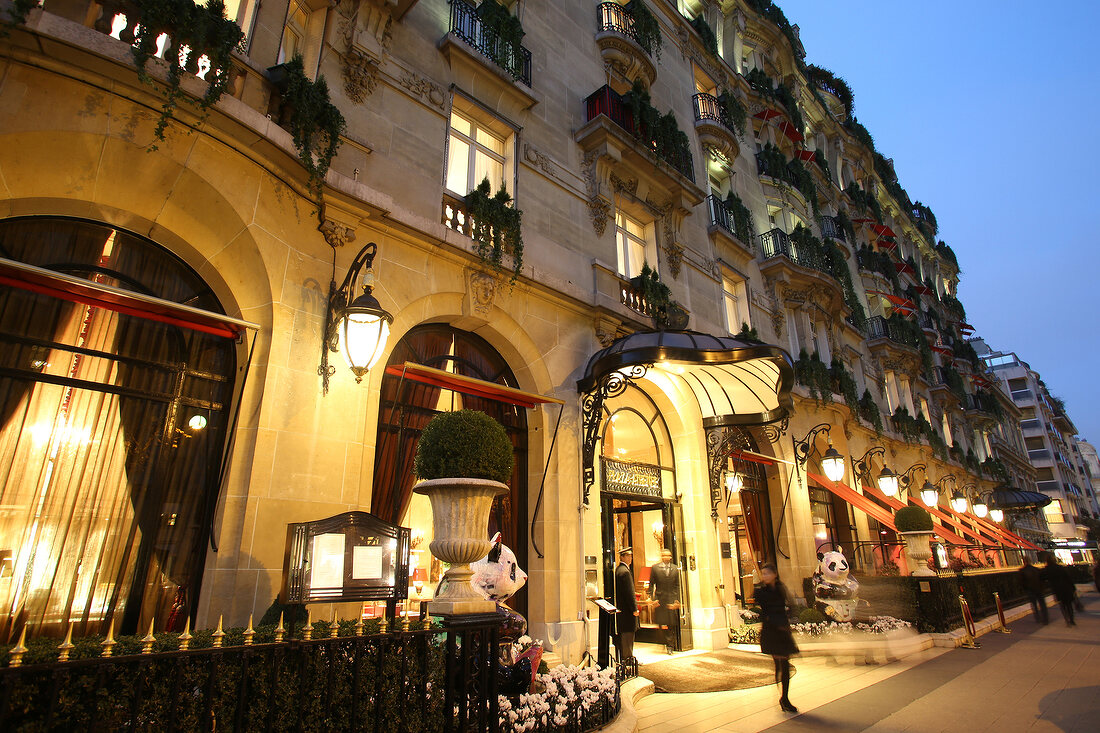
[735,382]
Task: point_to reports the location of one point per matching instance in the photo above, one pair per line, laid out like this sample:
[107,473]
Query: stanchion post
[969,642]
[1003,629]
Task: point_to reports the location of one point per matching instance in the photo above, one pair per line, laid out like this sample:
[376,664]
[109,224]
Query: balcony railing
[776,242]
[831,228]
[613,17]
[877,327]
[512,57]
[925,321]
[605,101]
[707,107]
[722,217]
[767,167]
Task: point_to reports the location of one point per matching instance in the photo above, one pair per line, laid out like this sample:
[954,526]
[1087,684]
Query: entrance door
[647,526]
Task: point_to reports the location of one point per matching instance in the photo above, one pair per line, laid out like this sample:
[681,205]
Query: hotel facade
[719,280]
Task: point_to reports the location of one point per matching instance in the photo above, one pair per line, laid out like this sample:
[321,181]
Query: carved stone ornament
[674,252]
[336,234]
[607,330]
[539,160]
[421,87]
[629,185]
[482,291]
[598,209]
[360,75]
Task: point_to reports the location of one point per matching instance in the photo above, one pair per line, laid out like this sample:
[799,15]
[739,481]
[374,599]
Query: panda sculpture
[498,577]
[835,593]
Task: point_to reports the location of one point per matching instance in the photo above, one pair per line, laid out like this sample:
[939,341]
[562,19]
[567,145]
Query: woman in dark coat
[775,630]
[1061,584]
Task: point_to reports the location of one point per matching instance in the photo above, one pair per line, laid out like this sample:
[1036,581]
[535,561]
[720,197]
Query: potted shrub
[914,524]
[462,461]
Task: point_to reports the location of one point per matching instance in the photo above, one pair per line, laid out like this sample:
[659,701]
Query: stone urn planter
[918,550]
[914,525]
[460,514]
[462,459]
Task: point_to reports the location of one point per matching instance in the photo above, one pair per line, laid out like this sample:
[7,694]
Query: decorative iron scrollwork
[721,443]
[772,432]
[610,385]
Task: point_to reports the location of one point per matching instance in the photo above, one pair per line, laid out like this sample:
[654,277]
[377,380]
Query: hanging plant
[496,226]
[868,411]
[811,372]
[647,31]
[743,225]
[497,22]
[204,30]
[706,35]
[846,225]
[313,120]
[760,82]
[666,312]
[844,384]
[732,111]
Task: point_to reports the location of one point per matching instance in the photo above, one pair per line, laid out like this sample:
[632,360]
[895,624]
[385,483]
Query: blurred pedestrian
[1061,585]
[664,584]
[626,620]
[1096,575]
[776,639]
[1032,579]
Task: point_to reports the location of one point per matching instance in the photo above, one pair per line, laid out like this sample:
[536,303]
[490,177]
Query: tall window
[475,151]
[635,245]
[302,34]
[735,295]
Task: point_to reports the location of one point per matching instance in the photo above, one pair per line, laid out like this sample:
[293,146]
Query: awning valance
[469,385]
[856,499]
[79,290]
[734,382]
[767,113]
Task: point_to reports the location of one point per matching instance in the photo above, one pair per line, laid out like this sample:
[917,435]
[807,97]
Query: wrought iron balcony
[605,101]
[511,57]
[722,217]
[613,17]
[766,166]
[877,327]
[925,321]
[776,242]
[832,229]
[707,107]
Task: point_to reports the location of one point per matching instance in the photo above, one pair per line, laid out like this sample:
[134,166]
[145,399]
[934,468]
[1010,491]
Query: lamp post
[357,328]
[906,478]
[832,463]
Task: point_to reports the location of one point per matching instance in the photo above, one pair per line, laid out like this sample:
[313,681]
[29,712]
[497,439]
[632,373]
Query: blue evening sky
[988,110]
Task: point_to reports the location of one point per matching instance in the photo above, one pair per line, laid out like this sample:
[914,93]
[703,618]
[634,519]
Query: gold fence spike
[405,617]
[359,622]
[147,642]
[219,635]
[65,647]
[185,637]
[334,626]
[307,630]
[249,632]
[279,630]
[110,640]
[19,649]
[427,619]
[384,623]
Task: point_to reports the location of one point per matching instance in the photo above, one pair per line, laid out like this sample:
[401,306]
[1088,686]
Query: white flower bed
[877,625]
[564,693]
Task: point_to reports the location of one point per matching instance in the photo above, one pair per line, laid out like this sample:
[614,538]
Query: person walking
[775,629]
[626,620]
[1096,575]
[664,579]
[1061,585]
[1031,578]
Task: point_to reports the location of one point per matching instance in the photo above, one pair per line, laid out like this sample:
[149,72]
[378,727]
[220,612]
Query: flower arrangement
[746,634]
[874,625]
[565,695]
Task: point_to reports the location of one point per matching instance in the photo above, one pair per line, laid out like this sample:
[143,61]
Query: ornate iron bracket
[721,442]
[609,386]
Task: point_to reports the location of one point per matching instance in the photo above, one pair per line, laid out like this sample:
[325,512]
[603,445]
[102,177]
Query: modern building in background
[1088,470]
[168,406]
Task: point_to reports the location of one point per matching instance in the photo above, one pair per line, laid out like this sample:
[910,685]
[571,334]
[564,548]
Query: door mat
[721,669]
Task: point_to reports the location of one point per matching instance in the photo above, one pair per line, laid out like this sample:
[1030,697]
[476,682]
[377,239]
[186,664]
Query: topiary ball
[463,444]
[811,616]
[913,518]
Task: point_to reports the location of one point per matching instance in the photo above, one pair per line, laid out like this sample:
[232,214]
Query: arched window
[407,406]
[112,427]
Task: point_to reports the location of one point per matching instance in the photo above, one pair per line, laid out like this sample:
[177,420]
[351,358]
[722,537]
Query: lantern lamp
[996,515]
[929,495]
[958,502]
[888,482]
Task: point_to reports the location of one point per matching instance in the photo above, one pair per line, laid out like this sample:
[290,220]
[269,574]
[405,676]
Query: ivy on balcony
[780,93]
[823,165]
[496,226]
[833,84]
[647,31]
[825,381]
[828,257]
[706,35]
[660,132]
[771,11]
[889,177]
[743,225]
[953,381]
[869,412]
[944,251]
[733,111]
[864,201]
[994,467]
[859,132]
[315,123]
[846,224]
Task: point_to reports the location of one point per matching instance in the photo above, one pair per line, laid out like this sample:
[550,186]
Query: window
[634,245]
[1053,512]
[243,12]
[735,296]
[477,150]
[302,34]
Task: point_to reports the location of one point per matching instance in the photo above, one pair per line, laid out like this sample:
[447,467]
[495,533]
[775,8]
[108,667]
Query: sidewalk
[1035,679]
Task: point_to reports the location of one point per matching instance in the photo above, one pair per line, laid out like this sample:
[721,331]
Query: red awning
[1009,536]
[903,303]
[965,327]
[790,131]
[958,521]
[905,268]
[806,155]
[895,504]
[859,501]
[469,385]
[742,455]
[923,290]
[887,244]
[942,350]
[883,231]
[98,295]
[766,114]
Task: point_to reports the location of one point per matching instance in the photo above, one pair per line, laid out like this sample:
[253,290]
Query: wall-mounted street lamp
[907,478]
[930,495]
[357,328]
[832,463]
[887,480]
[979,502]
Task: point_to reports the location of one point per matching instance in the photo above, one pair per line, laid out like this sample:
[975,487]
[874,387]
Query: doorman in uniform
[626,620]
[664,579]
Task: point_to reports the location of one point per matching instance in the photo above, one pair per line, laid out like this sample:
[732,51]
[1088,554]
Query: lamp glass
[832,463]
[996,515]
[958,503]
[980,508]
[888,482]
[929,495]
[363,334]
[734,482]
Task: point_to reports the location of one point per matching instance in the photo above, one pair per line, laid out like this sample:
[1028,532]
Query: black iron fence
[507,54]
[707,107]
[777,242]
[424,680]
[613,17]
[721,216]
[831,228]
